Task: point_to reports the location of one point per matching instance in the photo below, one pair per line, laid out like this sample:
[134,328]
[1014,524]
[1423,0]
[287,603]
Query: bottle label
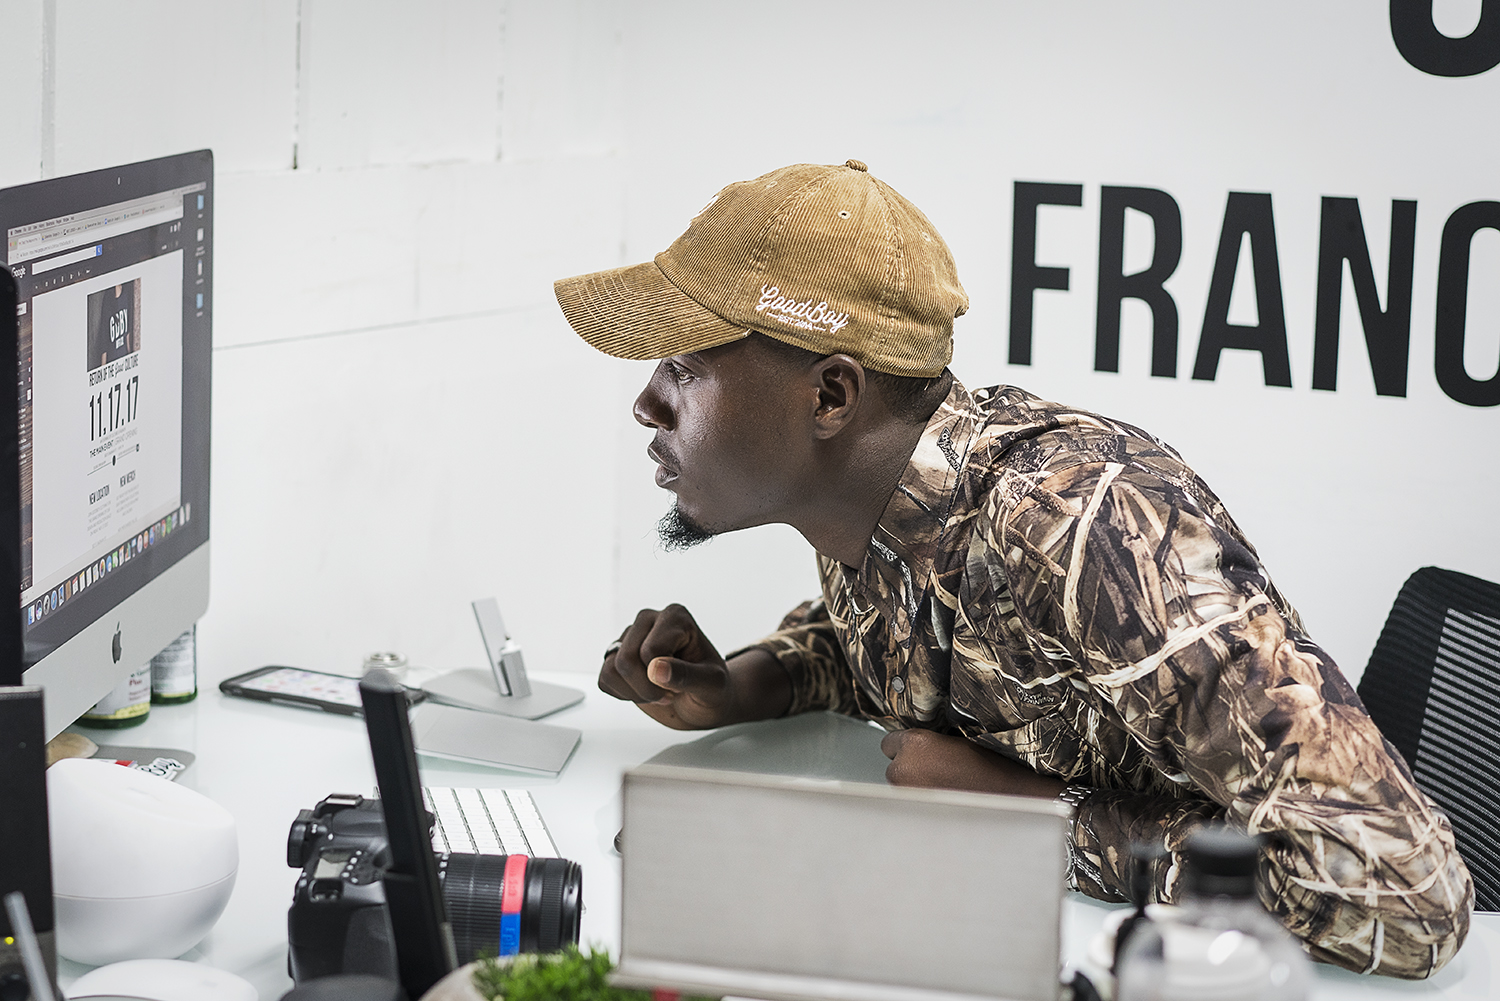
[174,671]
[131,698]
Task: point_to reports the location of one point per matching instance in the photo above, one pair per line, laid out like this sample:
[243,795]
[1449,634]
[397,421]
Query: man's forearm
[1110,821]
[1419,928]
[812,656]
[760,687]
[949,761]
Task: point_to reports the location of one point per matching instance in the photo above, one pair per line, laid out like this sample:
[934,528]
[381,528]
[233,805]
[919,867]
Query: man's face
[731,436]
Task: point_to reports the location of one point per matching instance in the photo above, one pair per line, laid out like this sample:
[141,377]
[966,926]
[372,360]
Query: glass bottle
[174,671]
[128,705]
[1219,943]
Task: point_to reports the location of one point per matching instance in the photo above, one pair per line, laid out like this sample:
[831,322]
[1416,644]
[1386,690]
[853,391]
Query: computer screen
[114,274]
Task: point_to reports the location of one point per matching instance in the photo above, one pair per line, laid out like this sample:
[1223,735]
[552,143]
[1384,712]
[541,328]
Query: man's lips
[665,472]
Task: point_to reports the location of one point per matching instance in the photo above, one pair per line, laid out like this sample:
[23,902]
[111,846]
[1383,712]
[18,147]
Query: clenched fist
[664,663]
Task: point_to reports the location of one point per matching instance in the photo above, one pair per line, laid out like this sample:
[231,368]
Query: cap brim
[637,313]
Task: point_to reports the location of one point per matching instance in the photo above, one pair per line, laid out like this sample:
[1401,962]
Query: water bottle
[1219,944]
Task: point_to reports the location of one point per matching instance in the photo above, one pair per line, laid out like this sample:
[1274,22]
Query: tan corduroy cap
[827,258]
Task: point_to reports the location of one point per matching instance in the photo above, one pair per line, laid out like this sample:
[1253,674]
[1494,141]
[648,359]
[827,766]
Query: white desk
[265,762]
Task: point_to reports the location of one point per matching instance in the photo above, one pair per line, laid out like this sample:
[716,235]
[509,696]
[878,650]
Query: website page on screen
[101,363]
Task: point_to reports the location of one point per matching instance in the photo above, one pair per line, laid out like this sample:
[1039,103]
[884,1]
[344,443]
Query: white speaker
[141,866]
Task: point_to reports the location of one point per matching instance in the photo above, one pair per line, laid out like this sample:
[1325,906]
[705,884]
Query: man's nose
[650,411]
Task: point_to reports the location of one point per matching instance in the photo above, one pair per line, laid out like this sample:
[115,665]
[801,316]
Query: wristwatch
[1072,797]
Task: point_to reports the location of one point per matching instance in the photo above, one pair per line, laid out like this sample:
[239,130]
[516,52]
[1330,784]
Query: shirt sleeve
[1178,635]
[808,647]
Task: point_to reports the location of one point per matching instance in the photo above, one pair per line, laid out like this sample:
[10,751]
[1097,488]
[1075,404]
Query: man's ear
[840,384]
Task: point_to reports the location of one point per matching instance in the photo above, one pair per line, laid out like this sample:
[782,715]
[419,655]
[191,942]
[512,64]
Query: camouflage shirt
[1062,589]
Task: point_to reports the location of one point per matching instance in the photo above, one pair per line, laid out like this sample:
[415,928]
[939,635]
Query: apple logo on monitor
[114,646]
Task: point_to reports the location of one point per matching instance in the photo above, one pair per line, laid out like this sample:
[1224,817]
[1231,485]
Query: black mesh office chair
[1433,688]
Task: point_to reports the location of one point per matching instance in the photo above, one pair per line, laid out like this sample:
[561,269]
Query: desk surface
[265,762]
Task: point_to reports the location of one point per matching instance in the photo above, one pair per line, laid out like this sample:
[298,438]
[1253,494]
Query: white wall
[1344,493]
[403,421]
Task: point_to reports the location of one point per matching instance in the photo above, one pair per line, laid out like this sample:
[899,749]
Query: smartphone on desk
[303,689]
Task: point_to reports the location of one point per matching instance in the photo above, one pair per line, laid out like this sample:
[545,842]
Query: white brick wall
[388,83]
[565,78]
[368,486]
[143,79]
[309,252]
[21,82]
[398,405]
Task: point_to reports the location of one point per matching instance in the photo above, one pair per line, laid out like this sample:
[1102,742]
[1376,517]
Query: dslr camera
[339,921]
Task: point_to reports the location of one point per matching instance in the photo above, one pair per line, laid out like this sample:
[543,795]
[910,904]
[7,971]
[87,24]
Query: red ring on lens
[513,889]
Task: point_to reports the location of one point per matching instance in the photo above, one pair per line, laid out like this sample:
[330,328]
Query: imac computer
[114,276]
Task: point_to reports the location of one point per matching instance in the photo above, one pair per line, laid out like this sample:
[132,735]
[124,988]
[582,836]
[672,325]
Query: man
[1031,599]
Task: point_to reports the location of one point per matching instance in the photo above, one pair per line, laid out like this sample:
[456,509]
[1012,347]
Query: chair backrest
[1433,687]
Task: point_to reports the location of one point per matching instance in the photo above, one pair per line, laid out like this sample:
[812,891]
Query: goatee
[678,532]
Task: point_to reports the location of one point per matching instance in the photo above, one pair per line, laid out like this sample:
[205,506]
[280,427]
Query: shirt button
[898,685]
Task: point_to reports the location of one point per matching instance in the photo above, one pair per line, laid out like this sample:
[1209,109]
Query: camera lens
[550,908]
[550,913]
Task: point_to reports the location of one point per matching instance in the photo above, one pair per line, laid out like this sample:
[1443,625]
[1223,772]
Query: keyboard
[487,822]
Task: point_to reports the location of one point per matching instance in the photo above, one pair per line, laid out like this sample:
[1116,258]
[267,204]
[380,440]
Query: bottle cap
[395,663]
[384,658]
[1221,861]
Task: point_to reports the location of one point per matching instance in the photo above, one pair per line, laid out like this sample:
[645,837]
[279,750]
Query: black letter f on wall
[1026,276]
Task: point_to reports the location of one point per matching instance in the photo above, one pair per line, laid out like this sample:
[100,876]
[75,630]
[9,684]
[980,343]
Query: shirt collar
[917,513]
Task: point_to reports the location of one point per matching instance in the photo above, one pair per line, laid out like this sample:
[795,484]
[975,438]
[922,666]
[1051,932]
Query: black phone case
[232,686]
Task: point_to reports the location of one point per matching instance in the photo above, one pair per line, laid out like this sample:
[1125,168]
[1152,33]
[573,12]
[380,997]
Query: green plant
[563,976]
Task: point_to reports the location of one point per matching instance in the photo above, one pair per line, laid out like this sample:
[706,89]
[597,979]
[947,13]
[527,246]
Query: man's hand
[665,664]
[944,761]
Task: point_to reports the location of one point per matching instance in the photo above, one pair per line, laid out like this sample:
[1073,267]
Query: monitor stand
[505,689]
[474,688]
